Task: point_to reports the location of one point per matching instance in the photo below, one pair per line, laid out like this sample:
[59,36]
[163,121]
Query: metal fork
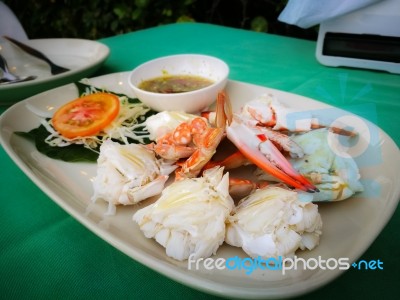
[7,77]
[54,69]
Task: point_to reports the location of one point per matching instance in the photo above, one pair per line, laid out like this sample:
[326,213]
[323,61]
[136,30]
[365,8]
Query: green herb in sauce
[169,84]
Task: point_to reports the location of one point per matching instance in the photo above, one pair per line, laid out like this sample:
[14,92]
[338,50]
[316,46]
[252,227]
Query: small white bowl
[183,64]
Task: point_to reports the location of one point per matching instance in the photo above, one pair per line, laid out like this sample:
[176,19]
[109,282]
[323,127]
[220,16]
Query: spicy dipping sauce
[168,84]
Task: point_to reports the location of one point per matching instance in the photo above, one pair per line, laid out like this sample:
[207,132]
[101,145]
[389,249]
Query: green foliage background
[94,19]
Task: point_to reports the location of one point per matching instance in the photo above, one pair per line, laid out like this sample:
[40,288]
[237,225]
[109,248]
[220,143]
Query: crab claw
[257,148]
[261,151]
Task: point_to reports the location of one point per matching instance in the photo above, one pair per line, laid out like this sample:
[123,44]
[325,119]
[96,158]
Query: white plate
[82,57]
[349,226]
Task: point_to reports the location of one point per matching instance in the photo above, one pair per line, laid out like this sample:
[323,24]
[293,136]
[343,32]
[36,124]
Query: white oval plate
[82,57]
[349,226]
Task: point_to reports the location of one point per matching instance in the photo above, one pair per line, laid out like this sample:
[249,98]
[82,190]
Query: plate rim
[103,51]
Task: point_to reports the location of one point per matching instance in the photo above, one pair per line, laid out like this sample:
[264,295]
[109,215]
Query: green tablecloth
[45,253]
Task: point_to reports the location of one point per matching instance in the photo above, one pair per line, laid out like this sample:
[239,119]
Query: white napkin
[9,24]
[307,13]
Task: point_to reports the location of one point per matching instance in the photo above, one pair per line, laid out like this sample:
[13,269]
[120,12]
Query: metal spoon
[54,69]
[7,77]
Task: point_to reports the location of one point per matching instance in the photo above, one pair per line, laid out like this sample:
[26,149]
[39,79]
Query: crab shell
[331,169]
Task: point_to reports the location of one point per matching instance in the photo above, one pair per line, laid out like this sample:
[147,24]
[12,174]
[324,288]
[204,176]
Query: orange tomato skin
[86,116]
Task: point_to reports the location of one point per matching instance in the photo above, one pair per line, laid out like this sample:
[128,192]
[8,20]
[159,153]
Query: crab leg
[267,111]
[240,188]
[206,144]
[233,161]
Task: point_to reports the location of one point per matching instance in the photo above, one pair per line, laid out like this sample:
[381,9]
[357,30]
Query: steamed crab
[128,174]
[257,132]
[274,221]
[189,217]
[310,146]
[259,145]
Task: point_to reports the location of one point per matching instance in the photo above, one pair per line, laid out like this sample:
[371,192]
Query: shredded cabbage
[127,125]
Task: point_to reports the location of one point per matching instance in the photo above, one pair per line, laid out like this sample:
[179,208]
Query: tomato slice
[86,116]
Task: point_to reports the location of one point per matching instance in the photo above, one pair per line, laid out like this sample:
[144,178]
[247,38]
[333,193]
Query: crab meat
[165,122]
[273,222]
[189,217]
[128,174]
[268,111]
